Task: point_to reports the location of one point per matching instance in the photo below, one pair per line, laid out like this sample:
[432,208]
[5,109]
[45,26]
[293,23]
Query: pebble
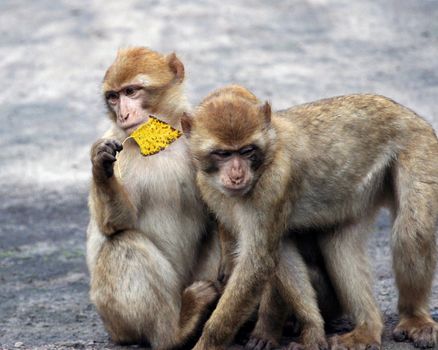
[18,344]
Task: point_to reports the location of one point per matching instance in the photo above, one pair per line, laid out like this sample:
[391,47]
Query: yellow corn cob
[154,136]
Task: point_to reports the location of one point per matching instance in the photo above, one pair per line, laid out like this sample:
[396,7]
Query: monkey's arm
[109,203]
[254,266]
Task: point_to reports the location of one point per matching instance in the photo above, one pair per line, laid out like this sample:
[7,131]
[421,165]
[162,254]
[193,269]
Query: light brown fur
[328,165]
[131,62]
[147,238]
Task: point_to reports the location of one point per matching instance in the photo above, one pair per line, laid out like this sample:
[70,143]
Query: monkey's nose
[236,180]
[125,118]
[236,176]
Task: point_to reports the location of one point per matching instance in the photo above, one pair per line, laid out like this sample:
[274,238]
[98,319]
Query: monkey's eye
[130,91]
[247,151]
[221,154]
[112,97]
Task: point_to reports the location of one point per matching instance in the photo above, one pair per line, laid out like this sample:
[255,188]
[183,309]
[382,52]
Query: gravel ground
[52,59]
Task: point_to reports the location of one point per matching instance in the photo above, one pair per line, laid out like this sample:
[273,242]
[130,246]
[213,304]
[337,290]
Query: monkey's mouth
[131,128]
[235,191]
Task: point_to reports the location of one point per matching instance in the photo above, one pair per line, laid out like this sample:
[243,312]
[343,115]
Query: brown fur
[147,238]
[328,164]
[240,129]
[134,61]
[228,246]
[233,90]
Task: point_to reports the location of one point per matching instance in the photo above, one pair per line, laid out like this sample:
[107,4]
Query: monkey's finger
[110,146]
[258,344]
[107,158]
[252,342]
[116,145]
[103,159]
[106,148]
[295,346]
[269,345]
[96,147]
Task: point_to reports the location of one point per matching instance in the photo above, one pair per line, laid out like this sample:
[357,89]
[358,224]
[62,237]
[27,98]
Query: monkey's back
[348,145]
[356,116]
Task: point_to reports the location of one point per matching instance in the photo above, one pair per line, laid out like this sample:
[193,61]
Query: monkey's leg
[271,317]
[208,261]
[195,302]
[415,254]
[310,251]
[344,252]
[138,294]
[293,282]
[227,243]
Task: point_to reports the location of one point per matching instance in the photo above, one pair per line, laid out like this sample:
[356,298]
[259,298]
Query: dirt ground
[52,59]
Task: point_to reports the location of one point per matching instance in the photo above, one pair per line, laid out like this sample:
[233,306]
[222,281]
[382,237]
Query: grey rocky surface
[52,58]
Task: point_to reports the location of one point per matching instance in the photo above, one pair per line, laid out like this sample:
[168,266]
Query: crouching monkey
[327,164]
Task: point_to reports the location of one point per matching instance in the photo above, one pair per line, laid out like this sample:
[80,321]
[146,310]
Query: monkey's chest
[157,181]
[170,213]
[162,188]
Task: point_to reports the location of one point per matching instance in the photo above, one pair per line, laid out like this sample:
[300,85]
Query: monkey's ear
[186,124]
[265,109]
[176,66]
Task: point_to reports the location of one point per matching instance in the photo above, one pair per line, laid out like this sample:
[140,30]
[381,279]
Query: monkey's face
[137,83]
[233,171]
[230,141]
[128,106]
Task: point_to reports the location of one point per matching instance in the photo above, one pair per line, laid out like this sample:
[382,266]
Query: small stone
[18,344]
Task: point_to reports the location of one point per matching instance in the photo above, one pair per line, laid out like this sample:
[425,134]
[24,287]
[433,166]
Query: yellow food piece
[154,136]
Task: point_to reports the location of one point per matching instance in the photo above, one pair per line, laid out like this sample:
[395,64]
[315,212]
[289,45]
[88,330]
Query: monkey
[327,165]
[150,253]
[273,310]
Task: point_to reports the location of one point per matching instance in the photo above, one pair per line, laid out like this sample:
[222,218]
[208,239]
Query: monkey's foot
[259,343]
[358,339]
[421,331]
[312,338]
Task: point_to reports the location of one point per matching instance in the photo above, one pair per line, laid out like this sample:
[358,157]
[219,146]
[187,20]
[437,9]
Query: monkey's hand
[103,156]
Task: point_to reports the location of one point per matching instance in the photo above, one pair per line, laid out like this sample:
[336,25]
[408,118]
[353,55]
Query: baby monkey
[327,166]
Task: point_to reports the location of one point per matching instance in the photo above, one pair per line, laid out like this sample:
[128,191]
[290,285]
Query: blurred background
[53,55]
